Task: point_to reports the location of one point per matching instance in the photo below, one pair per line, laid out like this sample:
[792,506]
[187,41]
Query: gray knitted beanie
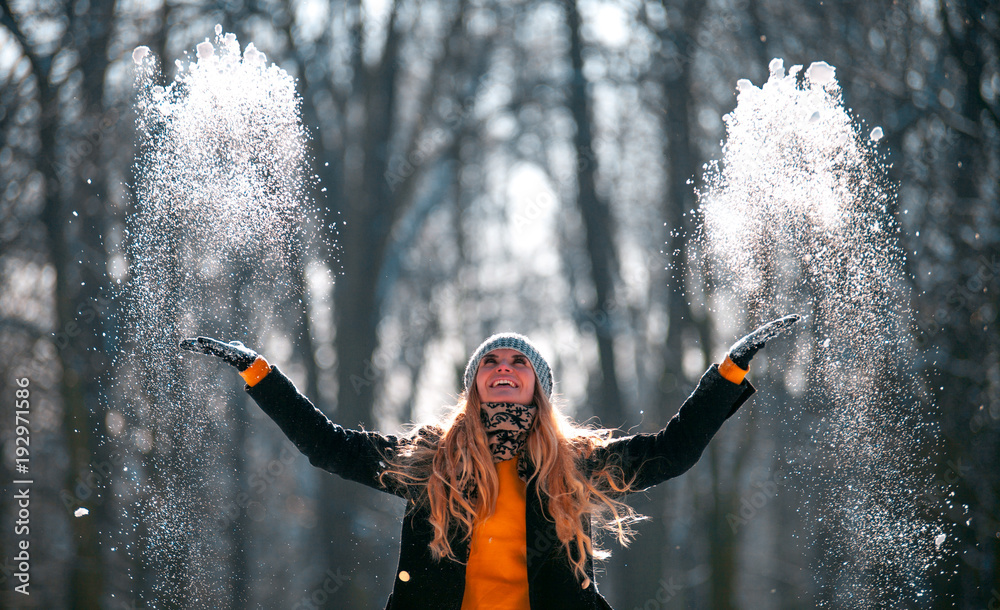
[515,342]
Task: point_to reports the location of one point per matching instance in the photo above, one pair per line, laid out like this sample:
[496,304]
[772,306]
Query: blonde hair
[451,470]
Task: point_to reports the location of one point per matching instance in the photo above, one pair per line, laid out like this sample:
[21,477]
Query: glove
[744,349]
[250,364]
[738,361]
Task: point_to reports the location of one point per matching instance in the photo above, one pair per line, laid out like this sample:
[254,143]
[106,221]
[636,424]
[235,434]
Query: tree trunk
[78,384]
[369,212]
[599,230]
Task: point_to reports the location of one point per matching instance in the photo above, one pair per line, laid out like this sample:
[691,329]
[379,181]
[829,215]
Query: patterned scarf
[507,426]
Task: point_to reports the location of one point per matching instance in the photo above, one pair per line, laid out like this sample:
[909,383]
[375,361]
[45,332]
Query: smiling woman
[505,375]
[501,495]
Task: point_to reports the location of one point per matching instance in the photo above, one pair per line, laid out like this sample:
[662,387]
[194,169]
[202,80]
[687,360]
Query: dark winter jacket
[421,581]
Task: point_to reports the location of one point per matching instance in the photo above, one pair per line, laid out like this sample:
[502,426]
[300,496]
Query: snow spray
[798,218]
[221,178]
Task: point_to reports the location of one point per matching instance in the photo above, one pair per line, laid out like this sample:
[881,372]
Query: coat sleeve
[648,459]
[354,455]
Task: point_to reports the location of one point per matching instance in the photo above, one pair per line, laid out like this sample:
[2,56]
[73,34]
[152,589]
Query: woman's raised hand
[234,352]
[744,349]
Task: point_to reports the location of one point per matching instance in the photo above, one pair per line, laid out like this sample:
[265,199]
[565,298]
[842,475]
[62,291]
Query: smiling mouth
[503,383]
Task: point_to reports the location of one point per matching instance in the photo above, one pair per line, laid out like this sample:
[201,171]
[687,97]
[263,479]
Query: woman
[501,496]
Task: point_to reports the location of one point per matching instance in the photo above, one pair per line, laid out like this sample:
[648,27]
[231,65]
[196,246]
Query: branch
[425,105]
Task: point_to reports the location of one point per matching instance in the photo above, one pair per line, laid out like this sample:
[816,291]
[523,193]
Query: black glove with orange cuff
[250,364]
[737,363]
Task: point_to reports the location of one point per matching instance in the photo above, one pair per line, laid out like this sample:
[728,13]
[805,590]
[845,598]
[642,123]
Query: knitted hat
[515,342]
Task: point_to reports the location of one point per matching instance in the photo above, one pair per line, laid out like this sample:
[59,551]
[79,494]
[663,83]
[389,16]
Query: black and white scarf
[507,425]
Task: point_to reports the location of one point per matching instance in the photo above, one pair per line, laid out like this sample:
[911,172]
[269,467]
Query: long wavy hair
[450,469]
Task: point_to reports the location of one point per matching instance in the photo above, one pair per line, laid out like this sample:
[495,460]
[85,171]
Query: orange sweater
[496,577]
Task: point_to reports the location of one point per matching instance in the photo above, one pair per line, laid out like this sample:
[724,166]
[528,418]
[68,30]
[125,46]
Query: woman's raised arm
[649,459]
[355,455]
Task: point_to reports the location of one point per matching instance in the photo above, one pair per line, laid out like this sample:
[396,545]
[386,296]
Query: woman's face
[505,375]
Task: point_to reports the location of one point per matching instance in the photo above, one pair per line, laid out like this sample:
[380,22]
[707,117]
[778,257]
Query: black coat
[421,581]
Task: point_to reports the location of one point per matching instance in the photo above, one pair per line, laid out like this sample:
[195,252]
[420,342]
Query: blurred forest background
[482,166]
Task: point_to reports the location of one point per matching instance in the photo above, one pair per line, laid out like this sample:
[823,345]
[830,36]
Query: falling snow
[798,217]
[225,148]
[221,182]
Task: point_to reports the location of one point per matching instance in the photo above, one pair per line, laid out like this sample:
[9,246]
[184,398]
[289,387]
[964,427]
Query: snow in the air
[797,218]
